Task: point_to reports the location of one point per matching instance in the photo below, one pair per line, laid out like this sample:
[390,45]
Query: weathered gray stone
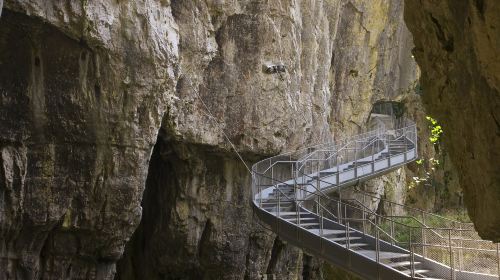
[86,86]
[457,46]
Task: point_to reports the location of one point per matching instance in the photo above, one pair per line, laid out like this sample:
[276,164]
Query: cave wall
[457,46]
[88,88]
[81,101]
[340,56]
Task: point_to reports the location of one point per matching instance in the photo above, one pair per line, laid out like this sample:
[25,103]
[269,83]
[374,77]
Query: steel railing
[301,179]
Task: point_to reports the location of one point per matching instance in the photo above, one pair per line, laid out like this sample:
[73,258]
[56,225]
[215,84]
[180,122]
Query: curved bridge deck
[300,196]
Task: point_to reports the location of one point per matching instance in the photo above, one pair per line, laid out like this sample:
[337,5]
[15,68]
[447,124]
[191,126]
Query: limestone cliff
[89,87]
[457,46]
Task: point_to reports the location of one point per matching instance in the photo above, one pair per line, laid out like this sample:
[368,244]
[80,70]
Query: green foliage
[436,130]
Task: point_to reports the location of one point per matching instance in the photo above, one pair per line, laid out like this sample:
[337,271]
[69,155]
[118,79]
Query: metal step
[417,271]
[403,263]
[328,232]
[294,219]
[343,239]
[293,213]
[275,201]
[309,224]
[382,255]
[356,245]
[273,209]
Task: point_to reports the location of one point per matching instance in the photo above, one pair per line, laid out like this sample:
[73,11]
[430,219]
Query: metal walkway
[309,199]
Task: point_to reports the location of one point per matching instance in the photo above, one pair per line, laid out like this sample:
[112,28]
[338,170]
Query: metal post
[406,145]
[412,260]
[498,260]
[452,265]
[321,231]
[338,169]
[348,244]
[339,207]
[260,193]
[318,185]
[424,238]
[373,158]
[279,202]
[364,214]
[392,227]
[388,151]
[355,158]
[297,211]
[377,245]
[460,251]
[345,211]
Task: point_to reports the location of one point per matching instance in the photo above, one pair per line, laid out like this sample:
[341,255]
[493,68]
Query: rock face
[82,97]
[457,46]
[86,86]
[197,222]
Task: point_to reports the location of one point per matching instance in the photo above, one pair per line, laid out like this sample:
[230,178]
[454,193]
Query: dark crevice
[205,238]
[307,272]
[496,122]
[97,91]
[138,260]
[446,43]
[278,246]
[481,7]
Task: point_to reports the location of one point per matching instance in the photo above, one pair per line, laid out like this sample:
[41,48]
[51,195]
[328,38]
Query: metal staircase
[310,199]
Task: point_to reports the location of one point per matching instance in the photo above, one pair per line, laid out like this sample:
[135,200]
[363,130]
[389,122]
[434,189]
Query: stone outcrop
[457,46]
[89,87]
[206,229]
[83,88]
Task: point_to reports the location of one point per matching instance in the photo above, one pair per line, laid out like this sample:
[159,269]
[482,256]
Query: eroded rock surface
[86,86]
[82,96]
[457,47]
[340,57]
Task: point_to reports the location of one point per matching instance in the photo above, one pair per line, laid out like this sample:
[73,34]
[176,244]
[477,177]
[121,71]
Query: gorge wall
[457,46]
[88,88]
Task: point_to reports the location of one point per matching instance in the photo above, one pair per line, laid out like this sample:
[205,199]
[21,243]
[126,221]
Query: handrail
[365,193]
[300,173]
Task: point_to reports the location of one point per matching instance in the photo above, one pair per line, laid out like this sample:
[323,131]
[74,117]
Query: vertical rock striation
[85,86]
[340,57]
[457,46]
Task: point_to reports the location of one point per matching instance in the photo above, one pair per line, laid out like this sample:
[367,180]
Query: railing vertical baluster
[338,169]
[392,226]
[460,251]
[339,206]
[424,237]
[279,208]
[318,185]
[259,187]
[412,260]
[452,265]
[377,244]
[373,157]
[321,231]
[345,211]
[405,143]
[346,228]
[348,244]
[364,215]
[355,159]
[388,145]
[498,260]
